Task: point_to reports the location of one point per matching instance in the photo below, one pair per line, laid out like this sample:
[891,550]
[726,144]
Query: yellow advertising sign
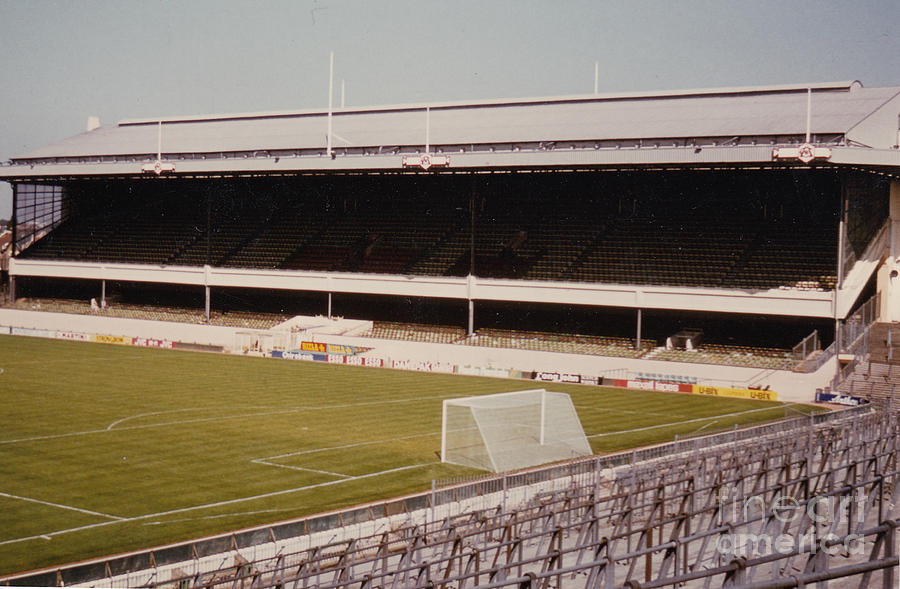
[741,393]
[313,347]
[111,339]
[340,349]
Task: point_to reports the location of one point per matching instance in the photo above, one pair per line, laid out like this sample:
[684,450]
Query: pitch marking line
[60,506]
[139,415]
[628,411]
[265,462]
[219,516]
[216,504]
[210,419]
[354,445]
[649,427]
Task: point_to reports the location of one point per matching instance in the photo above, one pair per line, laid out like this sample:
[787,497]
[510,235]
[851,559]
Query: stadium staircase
[877,378]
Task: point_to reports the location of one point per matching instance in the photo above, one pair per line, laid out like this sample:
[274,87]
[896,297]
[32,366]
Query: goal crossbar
[510,431]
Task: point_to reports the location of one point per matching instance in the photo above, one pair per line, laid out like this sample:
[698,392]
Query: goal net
[509,431]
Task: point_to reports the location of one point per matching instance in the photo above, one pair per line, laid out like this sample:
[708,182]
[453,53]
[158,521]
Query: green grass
[107,449]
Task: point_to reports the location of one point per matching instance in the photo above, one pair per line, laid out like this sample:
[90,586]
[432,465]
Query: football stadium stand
[768,209]
[701,228]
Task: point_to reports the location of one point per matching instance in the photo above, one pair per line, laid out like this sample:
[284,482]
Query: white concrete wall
[183,332]
[790,386]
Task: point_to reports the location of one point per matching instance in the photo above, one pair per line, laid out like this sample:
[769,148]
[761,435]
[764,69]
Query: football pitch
[106,449]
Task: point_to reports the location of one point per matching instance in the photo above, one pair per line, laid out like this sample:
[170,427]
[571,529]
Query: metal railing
[806,347]
[819,360]
[856,327]
[854,340]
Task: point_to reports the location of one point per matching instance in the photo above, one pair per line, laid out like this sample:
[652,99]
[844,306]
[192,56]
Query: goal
[510,431]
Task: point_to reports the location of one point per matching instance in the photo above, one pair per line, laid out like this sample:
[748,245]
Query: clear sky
[62,61]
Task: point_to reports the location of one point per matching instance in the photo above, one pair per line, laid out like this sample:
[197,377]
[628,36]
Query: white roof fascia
[677,156]
[390,162]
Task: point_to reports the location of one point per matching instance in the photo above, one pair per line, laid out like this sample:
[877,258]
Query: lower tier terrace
[773,358]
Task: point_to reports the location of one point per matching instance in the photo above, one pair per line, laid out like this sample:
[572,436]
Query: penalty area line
[264,462]
[60,506]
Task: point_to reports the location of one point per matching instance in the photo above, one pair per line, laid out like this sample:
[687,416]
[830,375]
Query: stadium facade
[743,206]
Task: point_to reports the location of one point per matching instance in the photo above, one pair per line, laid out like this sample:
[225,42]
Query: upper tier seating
[790,256]
[685,253]
[374,239]
[616,234]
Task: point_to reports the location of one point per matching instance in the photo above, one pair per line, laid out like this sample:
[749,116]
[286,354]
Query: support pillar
[639,320]
[206,308]
[839,273]
[14,222]
[543,415]
[12,289]
[208,232]
[471,327]
[329,305]
[838,345]
[103,294]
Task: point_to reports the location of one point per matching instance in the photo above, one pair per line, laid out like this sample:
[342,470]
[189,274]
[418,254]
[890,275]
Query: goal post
[510,431]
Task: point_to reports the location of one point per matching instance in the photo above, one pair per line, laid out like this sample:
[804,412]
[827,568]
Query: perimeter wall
[429,357]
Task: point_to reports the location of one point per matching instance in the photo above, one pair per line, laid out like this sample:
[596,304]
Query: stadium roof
[730,124]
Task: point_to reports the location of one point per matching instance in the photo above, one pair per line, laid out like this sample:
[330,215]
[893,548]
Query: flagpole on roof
[330,99]
[808,112]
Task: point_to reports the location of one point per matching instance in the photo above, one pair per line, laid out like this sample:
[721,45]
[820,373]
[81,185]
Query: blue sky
[62,61]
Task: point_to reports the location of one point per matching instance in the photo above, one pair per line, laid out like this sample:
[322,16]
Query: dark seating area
[790,255]
[137,232]
[736,231]
[680,253]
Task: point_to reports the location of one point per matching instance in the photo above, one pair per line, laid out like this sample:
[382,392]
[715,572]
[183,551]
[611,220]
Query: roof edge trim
[782,88]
